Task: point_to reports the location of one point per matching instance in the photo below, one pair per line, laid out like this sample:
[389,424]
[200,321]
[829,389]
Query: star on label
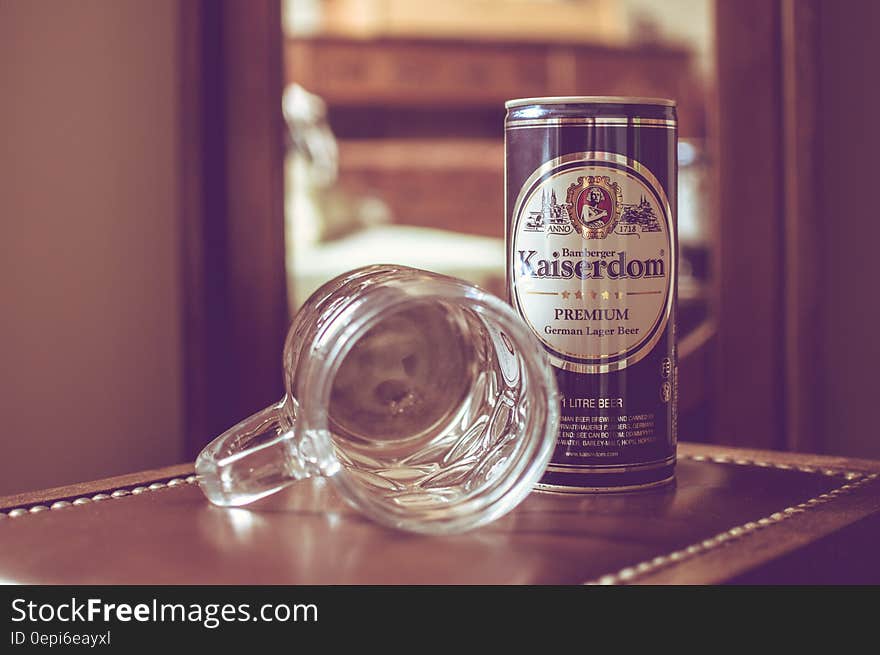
[565,295]
[593,295]
[578,294]
[605,295]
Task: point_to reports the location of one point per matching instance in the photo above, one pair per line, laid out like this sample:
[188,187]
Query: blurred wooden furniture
[456,184]
[734,516]
[535,20]
[445,73]
[420,120]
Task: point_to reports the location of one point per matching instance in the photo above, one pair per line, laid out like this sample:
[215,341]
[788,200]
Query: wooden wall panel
[750,383]
[232,207]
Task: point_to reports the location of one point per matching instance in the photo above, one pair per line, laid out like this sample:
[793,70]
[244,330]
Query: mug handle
[259,456]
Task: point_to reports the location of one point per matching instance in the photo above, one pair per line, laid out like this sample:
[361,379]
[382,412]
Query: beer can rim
[589,100]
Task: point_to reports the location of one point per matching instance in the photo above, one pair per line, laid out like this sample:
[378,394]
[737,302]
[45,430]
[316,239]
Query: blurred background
[177,176]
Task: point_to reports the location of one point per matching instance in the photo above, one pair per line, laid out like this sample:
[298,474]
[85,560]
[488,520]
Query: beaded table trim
[852,481]
[94,498]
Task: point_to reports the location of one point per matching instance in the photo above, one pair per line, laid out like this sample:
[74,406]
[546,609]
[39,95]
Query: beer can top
[590,100]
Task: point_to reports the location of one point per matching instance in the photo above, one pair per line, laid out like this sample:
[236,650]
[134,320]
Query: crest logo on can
[593,206]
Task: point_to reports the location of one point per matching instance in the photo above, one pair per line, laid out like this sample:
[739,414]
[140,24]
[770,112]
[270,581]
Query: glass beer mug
[426,400]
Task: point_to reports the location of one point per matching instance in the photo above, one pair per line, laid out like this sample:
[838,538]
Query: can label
[592,261]
[592,252]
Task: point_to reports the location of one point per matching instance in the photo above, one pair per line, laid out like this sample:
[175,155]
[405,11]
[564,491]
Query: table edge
[705,562]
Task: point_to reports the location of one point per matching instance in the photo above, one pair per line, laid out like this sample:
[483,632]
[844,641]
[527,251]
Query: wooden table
[734,516]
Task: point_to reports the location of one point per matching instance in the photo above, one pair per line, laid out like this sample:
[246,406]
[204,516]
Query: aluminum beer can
[590,192]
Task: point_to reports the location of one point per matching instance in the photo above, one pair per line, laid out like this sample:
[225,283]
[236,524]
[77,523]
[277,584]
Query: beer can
[590,193]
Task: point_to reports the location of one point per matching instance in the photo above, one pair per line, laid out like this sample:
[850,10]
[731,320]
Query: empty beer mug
[426,400]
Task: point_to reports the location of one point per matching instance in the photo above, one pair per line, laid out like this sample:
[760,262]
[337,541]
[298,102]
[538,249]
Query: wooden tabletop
[734,515]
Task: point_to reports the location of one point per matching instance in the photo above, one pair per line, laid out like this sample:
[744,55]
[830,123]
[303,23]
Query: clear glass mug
[427,401]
